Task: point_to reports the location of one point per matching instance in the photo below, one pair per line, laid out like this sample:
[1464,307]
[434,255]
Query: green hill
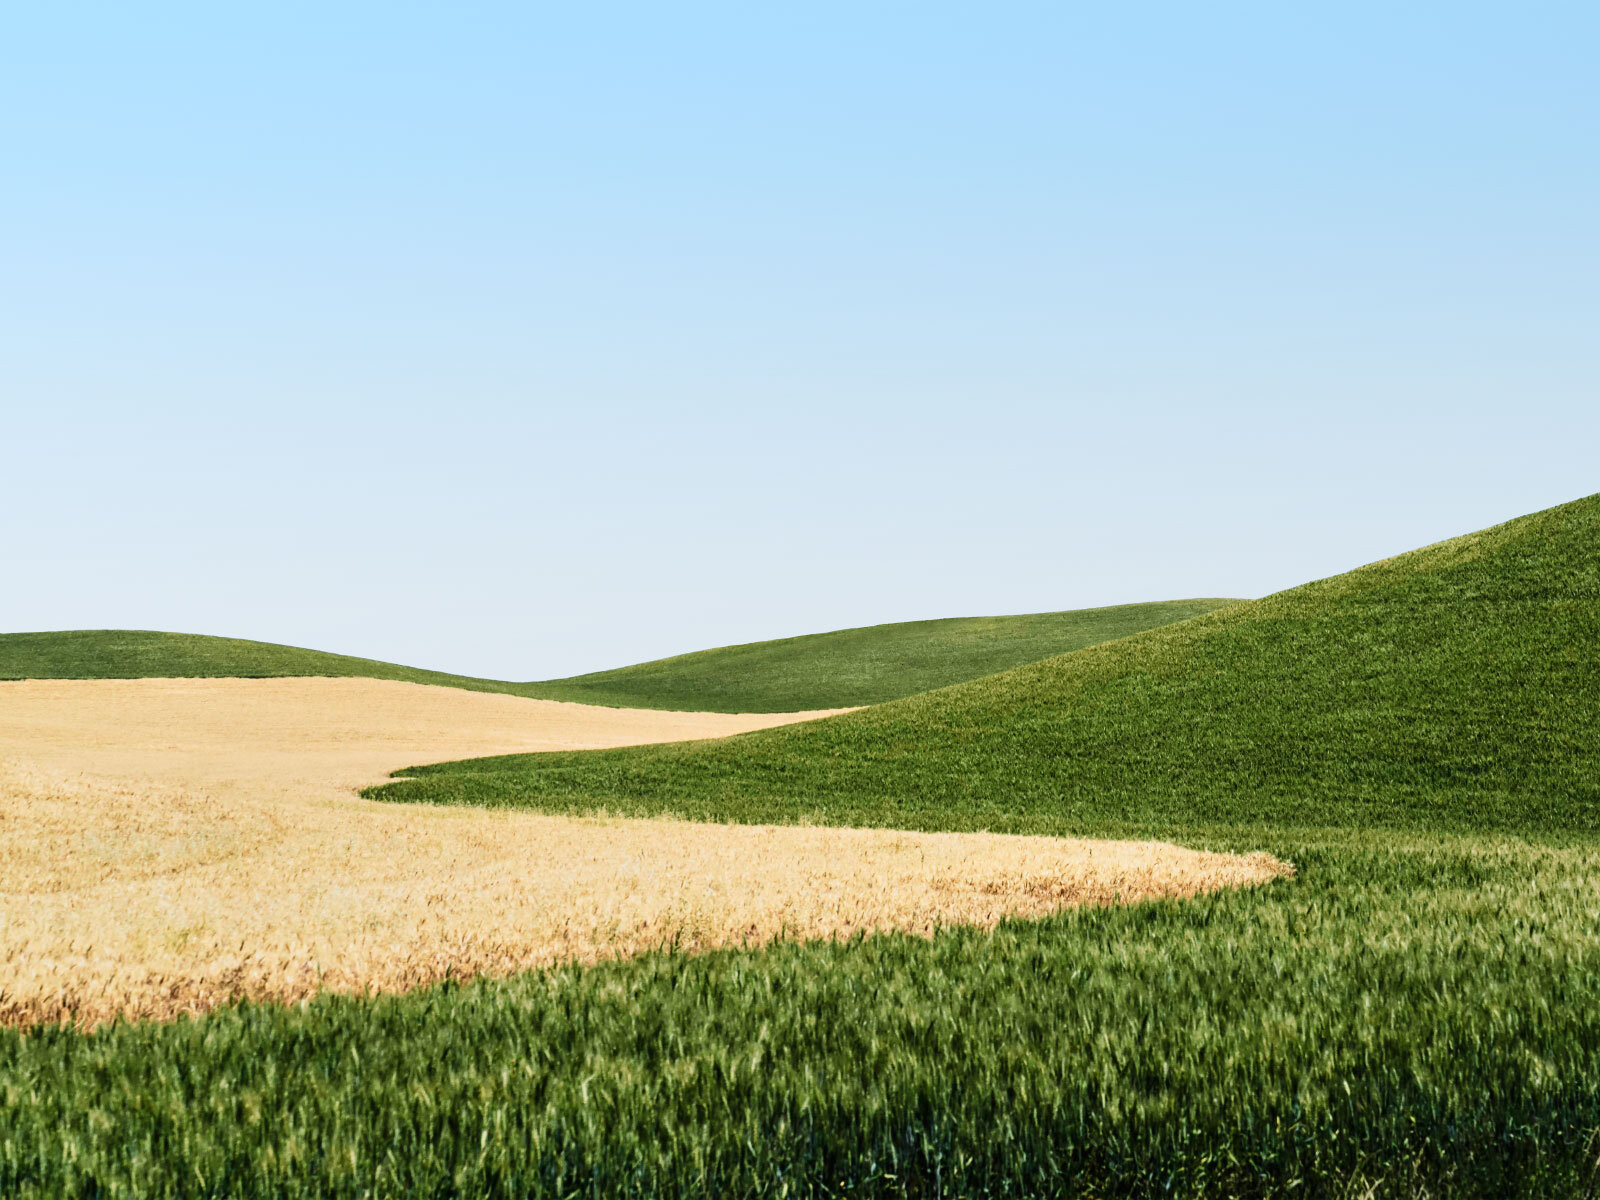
[149,654]
[1457,686]
[824,670]
[867,665]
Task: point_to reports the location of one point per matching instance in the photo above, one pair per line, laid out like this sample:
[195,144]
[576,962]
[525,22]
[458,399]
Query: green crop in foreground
[824,670]
[1413,1013]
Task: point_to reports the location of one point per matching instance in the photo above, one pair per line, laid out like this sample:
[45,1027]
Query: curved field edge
[1410,1016]
[844,668]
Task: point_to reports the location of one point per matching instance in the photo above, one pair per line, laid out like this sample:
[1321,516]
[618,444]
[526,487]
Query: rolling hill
[1454,686]
[824,670]
[867,665]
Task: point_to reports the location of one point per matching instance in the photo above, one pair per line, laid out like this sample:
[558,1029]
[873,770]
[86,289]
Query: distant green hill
[1455,686]
[147,654]
[824,670]
[867,665]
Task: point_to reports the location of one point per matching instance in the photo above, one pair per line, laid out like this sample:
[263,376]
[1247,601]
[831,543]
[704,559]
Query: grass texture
[1416,1013]
[825,670]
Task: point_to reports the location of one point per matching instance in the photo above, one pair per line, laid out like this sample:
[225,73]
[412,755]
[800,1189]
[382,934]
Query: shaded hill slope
[1454,687]
[825,670]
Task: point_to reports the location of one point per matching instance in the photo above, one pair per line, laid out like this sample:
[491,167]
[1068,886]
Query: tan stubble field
[170,845]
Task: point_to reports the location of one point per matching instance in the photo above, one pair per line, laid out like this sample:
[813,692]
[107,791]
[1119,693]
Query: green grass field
[823,670]
[1417,1013]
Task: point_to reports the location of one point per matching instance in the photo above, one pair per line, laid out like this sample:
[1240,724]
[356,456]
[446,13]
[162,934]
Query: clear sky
[525,339]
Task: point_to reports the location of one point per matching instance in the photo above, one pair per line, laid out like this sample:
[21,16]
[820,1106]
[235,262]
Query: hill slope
[871,664]
[825,670]
[1454,686]
[149,654]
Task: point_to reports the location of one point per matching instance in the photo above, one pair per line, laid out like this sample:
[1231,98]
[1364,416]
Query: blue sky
[523,340]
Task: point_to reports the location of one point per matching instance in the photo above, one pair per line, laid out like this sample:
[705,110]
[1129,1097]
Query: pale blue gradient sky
[524,340]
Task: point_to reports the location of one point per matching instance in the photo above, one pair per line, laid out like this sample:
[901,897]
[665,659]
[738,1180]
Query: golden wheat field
[170,845]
